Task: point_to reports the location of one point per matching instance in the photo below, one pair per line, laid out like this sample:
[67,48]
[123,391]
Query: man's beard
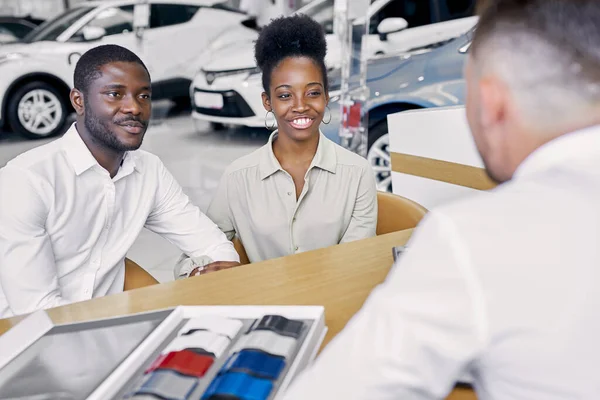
[102,133]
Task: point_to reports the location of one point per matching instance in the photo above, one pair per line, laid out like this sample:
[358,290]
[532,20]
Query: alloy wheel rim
[380,161]
[40,111]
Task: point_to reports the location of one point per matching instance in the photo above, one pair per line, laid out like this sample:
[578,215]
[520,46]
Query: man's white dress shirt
[66,226]
[504,285]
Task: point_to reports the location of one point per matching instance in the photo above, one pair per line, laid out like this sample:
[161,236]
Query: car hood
[234,56]
[14,47]
[377,69]
[380,67]
[41,48]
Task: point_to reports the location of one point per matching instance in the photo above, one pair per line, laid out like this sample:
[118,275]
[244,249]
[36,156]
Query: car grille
[234,106]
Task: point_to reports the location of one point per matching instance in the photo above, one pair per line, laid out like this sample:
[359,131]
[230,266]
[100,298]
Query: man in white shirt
[504,285]
[70,210]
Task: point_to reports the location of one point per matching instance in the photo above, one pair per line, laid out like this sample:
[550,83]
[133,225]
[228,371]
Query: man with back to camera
[504,285]
[70,210]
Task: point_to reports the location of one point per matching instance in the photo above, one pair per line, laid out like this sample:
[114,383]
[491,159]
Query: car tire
[378,155]
[37,110]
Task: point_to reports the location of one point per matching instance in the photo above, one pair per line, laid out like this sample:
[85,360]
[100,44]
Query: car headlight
[11,57]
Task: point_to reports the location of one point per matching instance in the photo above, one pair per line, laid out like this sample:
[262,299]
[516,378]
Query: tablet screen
[71,361]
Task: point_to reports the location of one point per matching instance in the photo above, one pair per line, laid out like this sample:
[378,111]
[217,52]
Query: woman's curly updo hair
[294,36]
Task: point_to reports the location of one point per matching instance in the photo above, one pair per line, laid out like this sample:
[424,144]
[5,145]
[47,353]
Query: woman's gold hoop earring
[274,123]
[329,120]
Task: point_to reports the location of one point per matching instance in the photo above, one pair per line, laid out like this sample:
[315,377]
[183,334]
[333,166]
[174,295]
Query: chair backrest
[136,277]
[396,213]
[241,251]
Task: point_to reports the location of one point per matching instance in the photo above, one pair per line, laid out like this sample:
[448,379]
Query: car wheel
[378,156]
[37,110]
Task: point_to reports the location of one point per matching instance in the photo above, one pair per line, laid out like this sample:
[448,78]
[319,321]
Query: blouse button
[289,193]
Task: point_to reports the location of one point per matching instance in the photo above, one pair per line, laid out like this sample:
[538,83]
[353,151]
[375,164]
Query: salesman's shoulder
[509,202]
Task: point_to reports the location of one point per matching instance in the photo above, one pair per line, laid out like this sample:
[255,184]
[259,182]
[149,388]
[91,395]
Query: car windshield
[53,28]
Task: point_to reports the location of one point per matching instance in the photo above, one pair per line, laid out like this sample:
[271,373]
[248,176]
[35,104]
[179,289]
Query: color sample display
[184,362]
[210,360]
[168,385]
[203,342]
[268,342]
[256,363]
[223,326]
[238,386]
[279,325]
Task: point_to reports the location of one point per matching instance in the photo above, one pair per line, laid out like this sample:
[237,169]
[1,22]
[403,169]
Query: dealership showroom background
[299,199]
[196,142]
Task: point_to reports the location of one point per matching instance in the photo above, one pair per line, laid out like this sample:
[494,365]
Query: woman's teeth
[302,122]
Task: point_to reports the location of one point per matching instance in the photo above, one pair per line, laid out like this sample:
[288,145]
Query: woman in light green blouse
[300,191]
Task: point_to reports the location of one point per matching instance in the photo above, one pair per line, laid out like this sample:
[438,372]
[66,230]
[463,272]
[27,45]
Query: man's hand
[214,266]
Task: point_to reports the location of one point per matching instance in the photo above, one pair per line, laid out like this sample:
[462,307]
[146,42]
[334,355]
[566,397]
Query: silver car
[431,77]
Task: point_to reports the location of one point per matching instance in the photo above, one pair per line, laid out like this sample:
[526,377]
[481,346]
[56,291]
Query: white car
[168,35]
[227,88]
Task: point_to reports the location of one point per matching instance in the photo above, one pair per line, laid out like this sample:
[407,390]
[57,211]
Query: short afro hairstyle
[294,36]
[88,67]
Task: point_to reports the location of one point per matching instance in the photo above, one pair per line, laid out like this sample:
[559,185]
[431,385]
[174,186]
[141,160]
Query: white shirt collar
[325,157]
[569,148]
[82,159]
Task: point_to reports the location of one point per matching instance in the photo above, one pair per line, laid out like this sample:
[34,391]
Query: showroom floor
[196,159]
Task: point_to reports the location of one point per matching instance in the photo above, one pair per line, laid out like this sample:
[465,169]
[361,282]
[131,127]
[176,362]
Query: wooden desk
[339,278]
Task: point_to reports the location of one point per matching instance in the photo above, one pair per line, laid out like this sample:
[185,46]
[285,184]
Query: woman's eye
[315,94]
[145,96]
[284,96]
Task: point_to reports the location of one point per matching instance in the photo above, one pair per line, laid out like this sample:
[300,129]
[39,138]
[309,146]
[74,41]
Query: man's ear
[77,101]
[494,97]
[266,101]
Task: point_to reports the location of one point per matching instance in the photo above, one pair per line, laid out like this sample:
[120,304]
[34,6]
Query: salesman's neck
[531,140]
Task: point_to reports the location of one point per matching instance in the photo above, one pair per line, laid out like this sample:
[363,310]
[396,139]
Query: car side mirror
[391,25]
[91,33]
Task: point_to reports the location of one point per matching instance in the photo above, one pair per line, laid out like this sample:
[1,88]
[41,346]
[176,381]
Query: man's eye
[112,94]
[145,96]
